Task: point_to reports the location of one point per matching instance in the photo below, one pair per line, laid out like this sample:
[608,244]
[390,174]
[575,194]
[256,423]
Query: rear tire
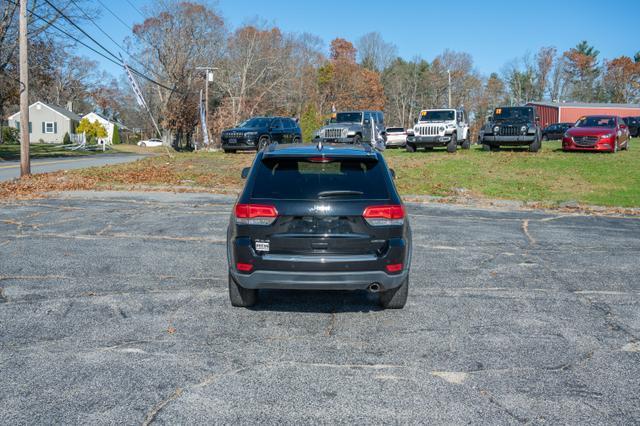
[143,145]
[357,139]
[241,297]
[395,298]
[453,143]
[535,146]
[486,147]
[466,144]
[545,138]
[297,140]
[410,147]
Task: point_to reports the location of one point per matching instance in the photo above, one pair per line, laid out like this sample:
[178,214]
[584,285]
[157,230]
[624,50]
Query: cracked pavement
[114,309]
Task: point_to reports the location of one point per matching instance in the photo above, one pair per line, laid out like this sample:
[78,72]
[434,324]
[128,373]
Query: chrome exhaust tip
[374,287]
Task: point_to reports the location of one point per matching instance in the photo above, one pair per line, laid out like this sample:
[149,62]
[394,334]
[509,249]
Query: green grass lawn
[40,150]
[45,150]
[549,176]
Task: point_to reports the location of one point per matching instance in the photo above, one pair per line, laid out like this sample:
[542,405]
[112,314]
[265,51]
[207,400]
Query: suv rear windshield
[437,115]
[303,179]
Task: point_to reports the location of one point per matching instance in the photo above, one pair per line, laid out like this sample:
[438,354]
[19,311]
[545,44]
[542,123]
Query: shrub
[10,135]
[133,138]
[67,139]
[309,123]
[115,140]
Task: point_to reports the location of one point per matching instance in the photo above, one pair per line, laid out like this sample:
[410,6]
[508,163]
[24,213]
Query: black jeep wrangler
[512,126]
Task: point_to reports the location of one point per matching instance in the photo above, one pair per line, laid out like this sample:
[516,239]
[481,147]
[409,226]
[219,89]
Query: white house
[47,123]
[106,123]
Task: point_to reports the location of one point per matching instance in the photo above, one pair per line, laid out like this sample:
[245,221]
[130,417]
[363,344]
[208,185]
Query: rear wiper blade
[324,194]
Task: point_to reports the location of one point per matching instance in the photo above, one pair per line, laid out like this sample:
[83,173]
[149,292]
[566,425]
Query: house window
[49,127]
[18,126]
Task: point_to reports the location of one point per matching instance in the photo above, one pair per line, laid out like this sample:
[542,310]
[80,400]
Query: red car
[597,133]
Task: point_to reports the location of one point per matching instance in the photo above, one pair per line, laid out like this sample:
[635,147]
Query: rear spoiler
[320,156]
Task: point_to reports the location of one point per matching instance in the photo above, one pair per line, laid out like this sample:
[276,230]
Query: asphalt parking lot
[114,309]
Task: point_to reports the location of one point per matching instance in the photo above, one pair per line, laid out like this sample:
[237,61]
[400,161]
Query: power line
[61,13]
[114,15]
[108,36]
[116,62]
[136,9]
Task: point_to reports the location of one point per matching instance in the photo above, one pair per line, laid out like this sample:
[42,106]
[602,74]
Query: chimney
[70,106]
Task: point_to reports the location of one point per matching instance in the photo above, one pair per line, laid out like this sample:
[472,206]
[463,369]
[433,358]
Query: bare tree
[545,59]
[180,37]
[374,53]
[256,62]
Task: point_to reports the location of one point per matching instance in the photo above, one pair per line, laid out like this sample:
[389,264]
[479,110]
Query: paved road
[11,169]
[113,309]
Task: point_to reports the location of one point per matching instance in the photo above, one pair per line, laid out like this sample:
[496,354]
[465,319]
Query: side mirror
[245,172]
[393,173]
[367,121]
[415,121]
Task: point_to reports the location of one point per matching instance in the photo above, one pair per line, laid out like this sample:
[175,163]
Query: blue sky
[493,32]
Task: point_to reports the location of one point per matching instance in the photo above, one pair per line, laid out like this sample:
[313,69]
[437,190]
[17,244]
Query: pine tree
[115,140]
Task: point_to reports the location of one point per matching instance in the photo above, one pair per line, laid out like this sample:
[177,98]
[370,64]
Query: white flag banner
[139,98]
[135,87]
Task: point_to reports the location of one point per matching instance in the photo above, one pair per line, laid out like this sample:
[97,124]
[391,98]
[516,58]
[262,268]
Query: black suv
[512,126]
[258,132]
[319,218]
[555,131]
[634,126]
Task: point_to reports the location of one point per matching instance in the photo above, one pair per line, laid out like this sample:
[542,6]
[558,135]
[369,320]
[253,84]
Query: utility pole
[25,162]
[208,78]
[449,73]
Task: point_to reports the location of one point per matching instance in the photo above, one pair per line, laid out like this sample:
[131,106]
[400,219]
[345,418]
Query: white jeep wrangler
[440,127]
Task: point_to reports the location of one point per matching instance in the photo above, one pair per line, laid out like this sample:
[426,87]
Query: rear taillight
[384,215]
[255,214]
[244,267]
[394,267]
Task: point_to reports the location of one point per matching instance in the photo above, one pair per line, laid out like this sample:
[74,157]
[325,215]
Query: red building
[570,112]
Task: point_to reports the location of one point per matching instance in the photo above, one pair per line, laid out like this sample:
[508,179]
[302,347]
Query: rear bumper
[319,271]
[318,280]
[395,141]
